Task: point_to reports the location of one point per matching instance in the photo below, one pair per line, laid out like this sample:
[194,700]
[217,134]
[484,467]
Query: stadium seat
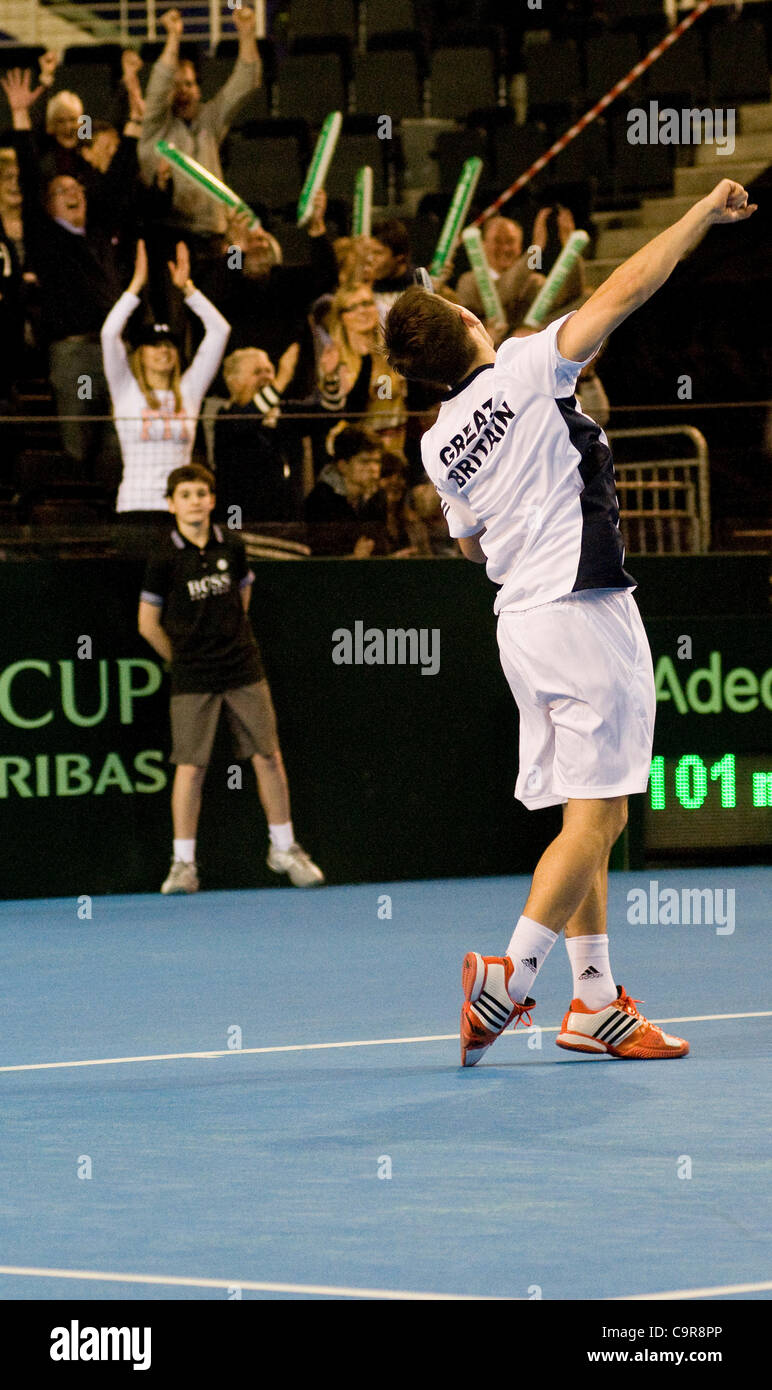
[95,84]
[679,75]
[608,58]
[389,81]
[585,159]
[455,146]
[739,69]
[553,78]
[266,162]
[460,78]
[320,18]
[639,169]
[310,85]
[355,149]
[637,10]
[397,17]
[514,149]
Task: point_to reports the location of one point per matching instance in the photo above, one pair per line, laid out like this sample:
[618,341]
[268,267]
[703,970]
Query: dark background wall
[394,775]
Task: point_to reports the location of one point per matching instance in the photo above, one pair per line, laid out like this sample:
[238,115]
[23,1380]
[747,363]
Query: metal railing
[665,502]
[117,21]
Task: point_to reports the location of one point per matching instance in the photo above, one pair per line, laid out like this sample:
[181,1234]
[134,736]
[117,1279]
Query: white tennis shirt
[512,451]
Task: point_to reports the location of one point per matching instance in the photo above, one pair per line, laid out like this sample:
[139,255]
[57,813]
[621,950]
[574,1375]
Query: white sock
[593,980]
[282,836]
[530,945]
[185,850]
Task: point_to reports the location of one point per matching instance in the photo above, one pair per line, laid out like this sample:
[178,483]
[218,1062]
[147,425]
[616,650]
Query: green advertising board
[397,726]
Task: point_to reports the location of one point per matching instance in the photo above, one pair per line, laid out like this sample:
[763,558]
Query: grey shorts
[250,715]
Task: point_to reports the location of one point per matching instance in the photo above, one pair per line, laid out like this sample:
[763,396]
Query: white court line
[334,1291]
[321,1047]
[692,1293]
[326,1290]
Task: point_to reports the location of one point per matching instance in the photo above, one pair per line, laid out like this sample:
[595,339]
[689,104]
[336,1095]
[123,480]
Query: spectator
[175,112]
[155,406]
[252,469]
[354,377]
[428,527]
[516,282]
[399,541]
[356,257]
[574,291]
[389,263]
[346,506]
[266,301]
[11,310]
[69,247]
[10,201]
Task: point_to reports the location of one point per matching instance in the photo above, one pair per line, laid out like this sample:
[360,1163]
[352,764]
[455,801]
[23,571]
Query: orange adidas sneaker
[488,1009]
[618,1030]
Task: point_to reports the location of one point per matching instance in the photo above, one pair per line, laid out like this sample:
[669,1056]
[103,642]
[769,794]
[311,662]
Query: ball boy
[193,612]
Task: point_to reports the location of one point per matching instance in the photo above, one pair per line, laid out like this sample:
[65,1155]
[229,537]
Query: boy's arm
[640,277]
[149,624]
[246,594]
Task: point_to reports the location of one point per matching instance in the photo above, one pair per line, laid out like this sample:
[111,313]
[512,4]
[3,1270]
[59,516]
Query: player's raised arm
[632,283]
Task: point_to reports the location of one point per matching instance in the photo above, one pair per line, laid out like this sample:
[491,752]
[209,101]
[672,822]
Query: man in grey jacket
[174,112]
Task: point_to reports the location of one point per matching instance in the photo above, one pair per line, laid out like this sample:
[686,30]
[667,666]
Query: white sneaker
[302,870]
[183,878]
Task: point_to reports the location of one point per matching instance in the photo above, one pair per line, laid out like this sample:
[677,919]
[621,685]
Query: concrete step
[653,213]
[747,148]
[756,116]
[661,212]
[621,242]
[27,21]
[697,182]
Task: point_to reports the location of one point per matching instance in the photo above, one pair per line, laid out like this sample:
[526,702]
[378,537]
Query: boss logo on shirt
[210,585]
[222,563]
[476,440]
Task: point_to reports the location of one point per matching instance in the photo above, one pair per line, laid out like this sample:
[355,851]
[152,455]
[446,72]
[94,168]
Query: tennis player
[526,481]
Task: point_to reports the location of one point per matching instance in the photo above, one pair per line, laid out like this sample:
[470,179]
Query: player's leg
[587,944]
[186,800]
[567,886]
[253,725]
[567,873]
[194,722]
[272,787]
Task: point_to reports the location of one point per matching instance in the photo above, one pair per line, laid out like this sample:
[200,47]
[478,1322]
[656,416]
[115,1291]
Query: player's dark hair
[189,473]
[426,339]
[394,234]
[352,440]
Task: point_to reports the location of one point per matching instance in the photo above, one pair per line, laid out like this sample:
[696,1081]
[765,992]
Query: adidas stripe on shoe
[487,1009]
[618,1030]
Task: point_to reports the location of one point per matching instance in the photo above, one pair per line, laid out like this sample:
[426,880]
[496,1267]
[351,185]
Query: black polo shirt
[199,594]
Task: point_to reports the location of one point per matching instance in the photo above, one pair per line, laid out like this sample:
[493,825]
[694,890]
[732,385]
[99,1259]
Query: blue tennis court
[341,1151]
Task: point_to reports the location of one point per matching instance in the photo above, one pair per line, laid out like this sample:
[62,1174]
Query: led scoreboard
[710,785]
[695,802]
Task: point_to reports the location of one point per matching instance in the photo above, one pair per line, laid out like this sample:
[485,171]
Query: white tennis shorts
[580,670]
